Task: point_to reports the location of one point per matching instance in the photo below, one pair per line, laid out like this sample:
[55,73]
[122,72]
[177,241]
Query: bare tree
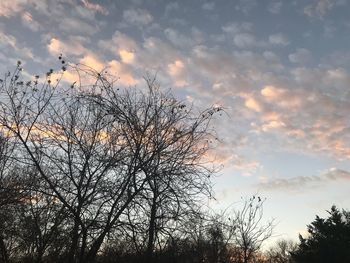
[281,251]
[43,223]
[11,194]
[251,230]
[98,150]
[170,141]
[64,140]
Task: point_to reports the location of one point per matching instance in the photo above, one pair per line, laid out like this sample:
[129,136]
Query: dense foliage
[328,239]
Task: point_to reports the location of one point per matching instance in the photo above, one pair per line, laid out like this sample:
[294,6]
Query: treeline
[92,173]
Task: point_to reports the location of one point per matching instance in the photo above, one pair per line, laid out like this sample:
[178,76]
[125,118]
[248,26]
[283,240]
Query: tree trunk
[246,257]
[83,245]
[4,257]
[74,245]
[91,255]
[151,231]
[40,253]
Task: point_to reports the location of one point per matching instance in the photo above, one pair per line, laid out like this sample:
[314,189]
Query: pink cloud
[9,8]
[94,7]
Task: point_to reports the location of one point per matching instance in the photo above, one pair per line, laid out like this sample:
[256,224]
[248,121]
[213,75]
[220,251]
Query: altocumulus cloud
[300,182]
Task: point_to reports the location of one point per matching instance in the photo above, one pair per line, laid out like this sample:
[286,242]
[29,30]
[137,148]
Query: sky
[280,69]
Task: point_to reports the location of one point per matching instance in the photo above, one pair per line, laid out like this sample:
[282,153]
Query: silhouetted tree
[103,154]
[217,245]
[12,193]
[251,230]
[328,239]
[281,252]
[42,224]
[168,140]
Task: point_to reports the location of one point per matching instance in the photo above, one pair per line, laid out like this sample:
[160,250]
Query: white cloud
[269,55]
[119,41]
[10,8]
[319,8]
[253,104]
[7,40]
[245,40]
[77,26]
[234,28]
[137,17]
[177,39]
[28,21]
[278,39]
[208,6]
[247,167]
[89,60]
[157,54]
[124,74]
[177,71]
[9,43]
[172,6]
[272,93]
[72,46]
[301,56]
[275,7]
[329,30]
[246,5]
[126,56]
[122,46]
[92,61]
[176,68]
[309,119]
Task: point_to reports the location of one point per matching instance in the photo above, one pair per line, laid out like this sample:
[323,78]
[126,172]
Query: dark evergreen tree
[328,240]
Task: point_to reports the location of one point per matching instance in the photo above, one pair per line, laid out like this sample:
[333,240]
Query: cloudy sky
[281,69]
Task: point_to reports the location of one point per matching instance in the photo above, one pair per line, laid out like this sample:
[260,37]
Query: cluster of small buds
[64,64]
[19,63]
[48,75]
